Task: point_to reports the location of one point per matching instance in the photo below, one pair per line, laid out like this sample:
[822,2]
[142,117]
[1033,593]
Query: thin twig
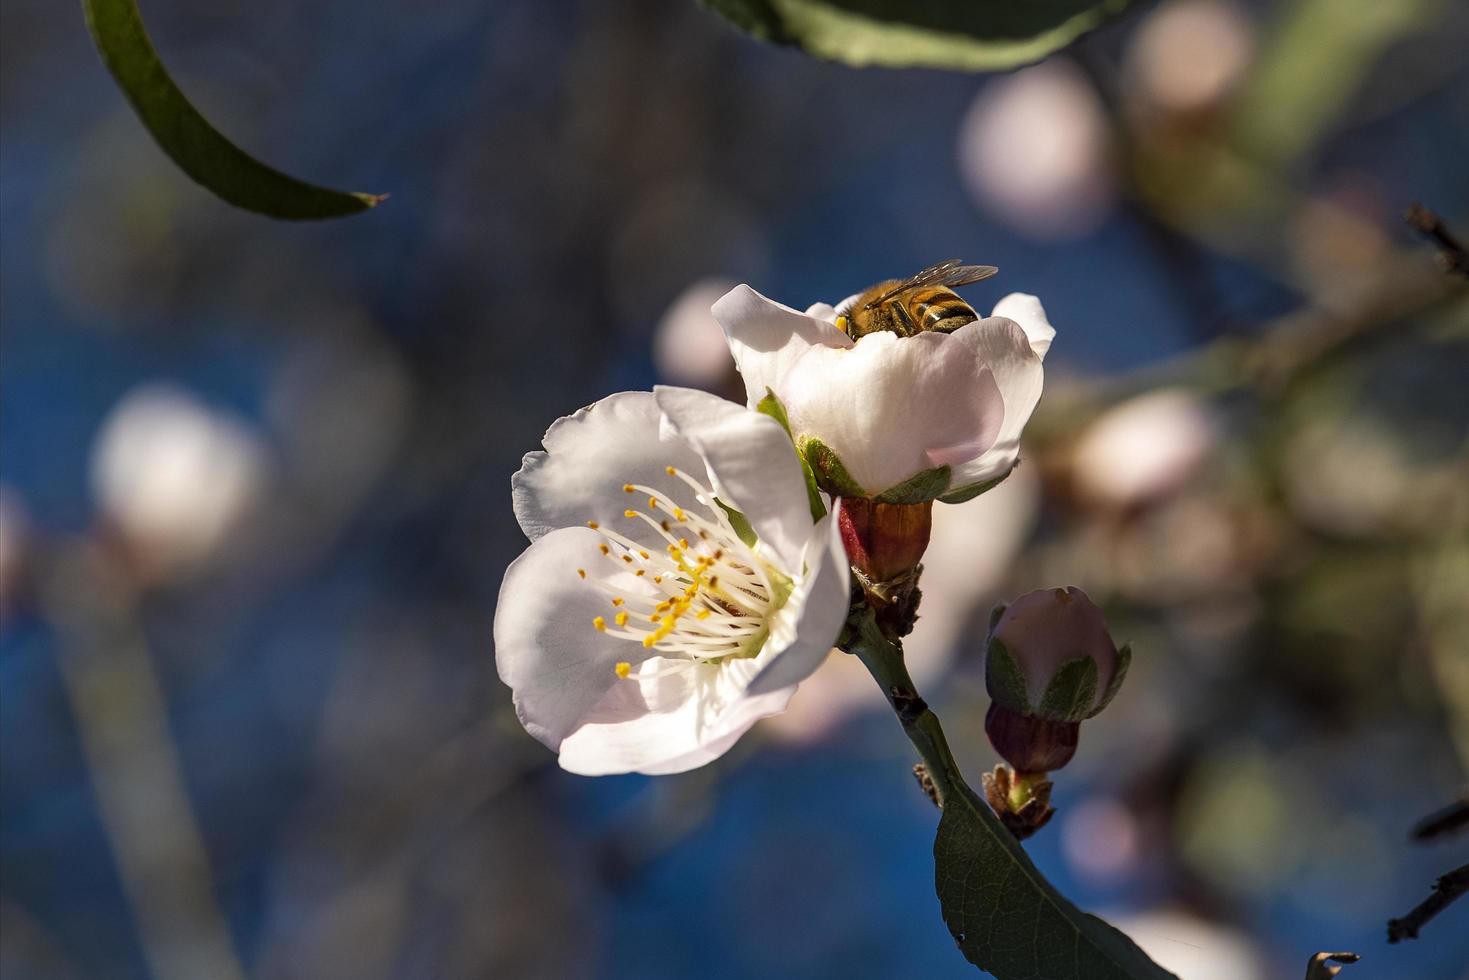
[1448,888]
[1323,966]
[1451,251]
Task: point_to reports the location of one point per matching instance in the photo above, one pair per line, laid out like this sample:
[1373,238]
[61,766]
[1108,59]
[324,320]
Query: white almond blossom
[641,632]
[892,407]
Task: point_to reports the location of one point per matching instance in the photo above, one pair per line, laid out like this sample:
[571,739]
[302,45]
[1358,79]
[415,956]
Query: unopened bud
[1049,664]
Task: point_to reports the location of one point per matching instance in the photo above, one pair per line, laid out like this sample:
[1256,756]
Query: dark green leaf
[1071,692]
[919,488]
[968,35]
[188,138]
[1010,921]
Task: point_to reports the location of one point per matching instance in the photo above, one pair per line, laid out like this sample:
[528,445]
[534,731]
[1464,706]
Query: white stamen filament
[705,595]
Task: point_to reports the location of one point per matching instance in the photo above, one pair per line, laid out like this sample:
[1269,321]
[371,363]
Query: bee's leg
[951,323]
[909,327]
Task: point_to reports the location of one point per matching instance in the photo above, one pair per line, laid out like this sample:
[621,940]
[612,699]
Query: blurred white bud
[1188,54]
[173,476]
[689,347]
[969,554]
[1034,151]
[1144,448]
[1192,947]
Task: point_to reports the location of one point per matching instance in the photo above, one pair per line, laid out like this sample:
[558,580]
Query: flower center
[706,595]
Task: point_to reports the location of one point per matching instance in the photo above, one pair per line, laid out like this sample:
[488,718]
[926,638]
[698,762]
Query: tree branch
[1445,891]
[1451,251]
[1450,820]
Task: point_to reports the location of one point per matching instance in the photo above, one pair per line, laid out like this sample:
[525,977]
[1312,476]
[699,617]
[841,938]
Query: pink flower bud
[1049,664]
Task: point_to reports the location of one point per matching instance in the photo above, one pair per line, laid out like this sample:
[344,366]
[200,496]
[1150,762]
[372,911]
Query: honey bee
[912,306]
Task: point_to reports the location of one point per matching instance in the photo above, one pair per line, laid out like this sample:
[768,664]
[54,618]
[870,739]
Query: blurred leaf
[188,138]
[1008,919]
[1323,965]
[965,35]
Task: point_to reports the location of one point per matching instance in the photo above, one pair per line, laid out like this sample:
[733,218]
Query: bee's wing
[951,273]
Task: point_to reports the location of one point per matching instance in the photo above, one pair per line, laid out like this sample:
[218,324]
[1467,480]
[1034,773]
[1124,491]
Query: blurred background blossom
[254,500]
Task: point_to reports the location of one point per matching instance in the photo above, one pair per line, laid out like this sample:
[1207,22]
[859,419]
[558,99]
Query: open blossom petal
[766,338]
[891,407]
[751,465]
[650,638]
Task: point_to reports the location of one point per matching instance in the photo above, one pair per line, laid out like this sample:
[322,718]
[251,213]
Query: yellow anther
[704,535]
[665,525]
[620,619]
[623,669]
[593,525]
[655,618]
[653,502]
[718,553]
[617,600]
[670,471]
[678,515]
[714,581]
[683,542]
[581,572]
[604,549]
[600,623]
[629,513]
[627,558]
[702,614]
[657,579]
[629,488]
[648,640]
[641,572]
[644,553]
[841,324]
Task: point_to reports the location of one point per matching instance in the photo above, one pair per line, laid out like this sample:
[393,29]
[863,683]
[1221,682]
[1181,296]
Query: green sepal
[770,405]
[1124,660]
[1004,679]
[962,494]
[995,615]
[828,470]
[919,488]
[740,523]
[1072,691]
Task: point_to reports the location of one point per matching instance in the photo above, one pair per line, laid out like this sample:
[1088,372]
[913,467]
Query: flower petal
[766,338]
[589,457]
[696,716]
[546,649]
[891,407]
[1017,371]
[752,466]
[808,624]
[1027,311]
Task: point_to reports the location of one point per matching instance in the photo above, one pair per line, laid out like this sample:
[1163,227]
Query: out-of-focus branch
[121,717]
[1446,891]
[1451,251]
[1450,820]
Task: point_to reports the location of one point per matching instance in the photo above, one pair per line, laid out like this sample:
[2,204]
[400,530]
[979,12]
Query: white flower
[892,407]
[639,632]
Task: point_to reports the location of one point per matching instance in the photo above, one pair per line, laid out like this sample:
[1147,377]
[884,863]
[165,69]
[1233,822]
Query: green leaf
[770,405]
[1008,919]
[1119,674]
[1072,691]
[188,138]
[919,488]
[830,474]
[1004,679]
[966,35]
[963,494]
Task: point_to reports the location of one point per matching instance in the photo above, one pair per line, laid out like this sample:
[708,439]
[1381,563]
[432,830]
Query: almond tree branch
[1450,820]
[1451,251]
[1445,891]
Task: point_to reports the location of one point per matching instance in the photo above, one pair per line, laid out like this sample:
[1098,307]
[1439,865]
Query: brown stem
[1451,251]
